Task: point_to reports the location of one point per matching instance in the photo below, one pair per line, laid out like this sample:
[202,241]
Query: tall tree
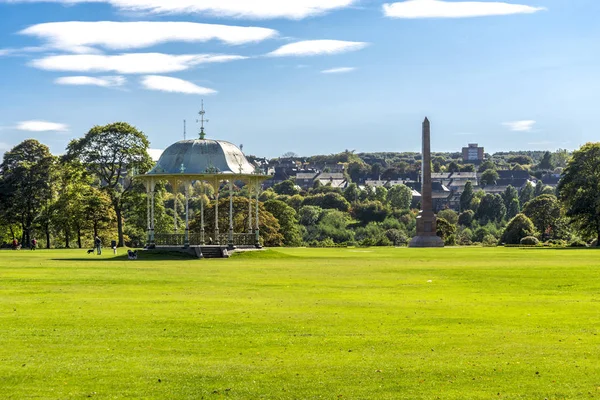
[112,152]
[26,184]
[579,189]
[527,193]
[546,162]
[545,213]
[400,196]
[489,177]
[509,195]
[466,197]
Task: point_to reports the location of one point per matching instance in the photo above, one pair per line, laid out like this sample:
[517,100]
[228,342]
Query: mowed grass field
[472,323]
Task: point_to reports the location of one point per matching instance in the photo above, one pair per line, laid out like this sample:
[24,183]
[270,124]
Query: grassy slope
[299,323]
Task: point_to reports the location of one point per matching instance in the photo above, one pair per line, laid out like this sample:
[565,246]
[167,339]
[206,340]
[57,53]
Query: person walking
[113,245]
[15,244]
[98,245]
[33,243]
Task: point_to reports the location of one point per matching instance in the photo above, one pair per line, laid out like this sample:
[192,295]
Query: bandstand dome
[202,157]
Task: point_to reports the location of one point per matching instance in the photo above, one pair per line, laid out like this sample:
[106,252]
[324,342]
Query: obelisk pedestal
[426,221]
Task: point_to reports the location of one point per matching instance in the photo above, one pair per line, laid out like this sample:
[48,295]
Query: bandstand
[216,163]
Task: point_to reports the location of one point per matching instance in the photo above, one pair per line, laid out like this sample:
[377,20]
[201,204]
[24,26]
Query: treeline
[66,201]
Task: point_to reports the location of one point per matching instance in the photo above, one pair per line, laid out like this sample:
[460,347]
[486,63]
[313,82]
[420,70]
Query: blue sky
[308,76]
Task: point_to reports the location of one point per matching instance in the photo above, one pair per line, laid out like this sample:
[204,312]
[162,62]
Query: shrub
[518,228]
[450,240]
[464,237]
[396,237]
[466,218]
[489,241]
[577,243]
[529,241]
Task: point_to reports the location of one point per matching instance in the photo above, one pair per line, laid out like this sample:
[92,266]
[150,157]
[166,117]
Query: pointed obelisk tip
[426,120]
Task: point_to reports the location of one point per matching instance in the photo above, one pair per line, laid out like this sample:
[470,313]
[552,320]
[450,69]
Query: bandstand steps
[214,252]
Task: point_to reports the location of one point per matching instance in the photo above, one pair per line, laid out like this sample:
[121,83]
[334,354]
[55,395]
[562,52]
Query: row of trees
[89,191]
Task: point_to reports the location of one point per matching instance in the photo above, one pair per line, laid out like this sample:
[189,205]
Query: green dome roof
[202,156]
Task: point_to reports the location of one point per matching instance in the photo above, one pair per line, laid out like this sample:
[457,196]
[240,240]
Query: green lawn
[302,324]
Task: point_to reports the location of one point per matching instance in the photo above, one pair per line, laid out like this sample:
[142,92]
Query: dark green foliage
[491,209]
[111,153]
[546,162]
[466,218]
[489,241]
[287,187]
[466,197]
[520,159]
[518,228]
[577,243]
[489,177]
[509,195]
[529,241]
[513,209]
[445,228]
[352,193]
[287,218]
[309,215]
[487,165]
[545,213]
[370,211]
[579,189]
[449,215]
[400,196]
[526,194]
[327,201]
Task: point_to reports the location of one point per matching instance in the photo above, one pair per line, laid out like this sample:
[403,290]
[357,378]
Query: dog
[132,255]
[91,251]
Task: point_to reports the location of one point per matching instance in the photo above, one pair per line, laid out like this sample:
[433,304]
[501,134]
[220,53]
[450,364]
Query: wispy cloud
[255,9]
[317,47]
[134,63]
[174,85]
[341,70]
[102,81]
[520,126]
[41,126]
[454,9]
[87,37]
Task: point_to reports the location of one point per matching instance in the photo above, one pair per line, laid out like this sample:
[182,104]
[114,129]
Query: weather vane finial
[202,113]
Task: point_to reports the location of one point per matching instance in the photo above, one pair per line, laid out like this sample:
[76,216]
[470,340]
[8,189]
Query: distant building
[473,153]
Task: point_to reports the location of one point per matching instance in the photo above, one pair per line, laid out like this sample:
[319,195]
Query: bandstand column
[217,212]
[202,216]
[250,208]
[175,205]
[148,213]
[257,231]
[186,242]
[230,244]
[152,193]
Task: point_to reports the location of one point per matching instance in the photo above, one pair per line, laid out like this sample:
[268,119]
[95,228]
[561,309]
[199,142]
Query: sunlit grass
[302,323]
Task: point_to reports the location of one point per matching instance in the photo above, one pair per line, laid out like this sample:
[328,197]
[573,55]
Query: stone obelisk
[426,221]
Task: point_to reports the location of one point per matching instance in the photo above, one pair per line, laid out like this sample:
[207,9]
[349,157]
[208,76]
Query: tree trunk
[67,244]
[47,236]
[95,229]
[120,226]
[79,237]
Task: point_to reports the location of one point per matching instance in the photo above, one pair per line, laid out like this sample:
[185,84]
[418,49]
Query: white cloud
[133,63]
[520,126]
[255,9]
[174,85]
[317,47]
[155,154]
[341,70]
[103,81]
[41,126]
[85,37]
[447,9]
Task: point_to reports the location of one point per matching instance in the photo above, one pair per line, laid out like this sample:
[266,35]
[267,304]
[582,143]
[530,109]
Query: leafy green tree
[560,158]
[467,168]
[358,170]
[400,197]
[370,211]
[25,184]
[539,188]
[327,201]
[352,193]
[579,189]
[112,152]
[486,165]
[517,228]
[489,177]
[453,167]
[527,193]
[546,162]
[309,215]
[466,197]
[287,187]
[520,159]
[445,229]
[491,209]
[287,218]
[509,195]
[381,194]
[449,215]
[545,213]
[513,209]
[466,218]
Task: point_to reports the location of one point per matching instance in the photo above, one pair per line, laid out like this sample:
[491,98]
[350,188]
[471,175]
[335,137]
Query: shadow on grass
[561,248]
[142,256]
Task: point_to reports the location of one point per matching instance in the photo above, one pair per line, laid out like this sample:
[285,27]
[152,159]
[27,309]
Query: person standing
[113,245]
[33,243]
[98,245]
